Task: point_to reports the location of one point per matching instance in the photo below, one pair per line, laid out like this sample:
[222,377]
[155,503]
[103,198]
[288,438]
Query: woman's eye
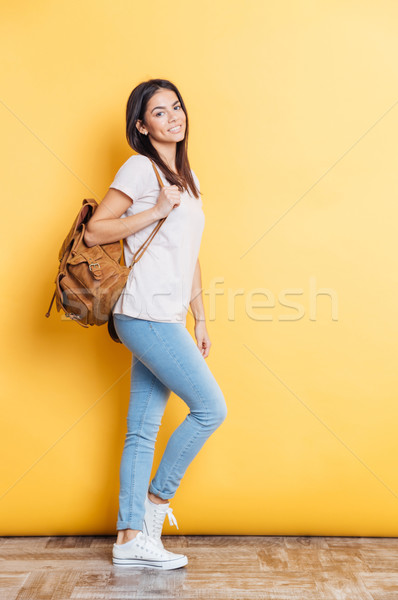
[161,112]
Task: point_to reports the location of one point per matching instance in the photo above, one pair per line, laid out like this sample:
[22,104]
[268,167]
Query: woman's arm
[198,311]
[106,226]
[196,302]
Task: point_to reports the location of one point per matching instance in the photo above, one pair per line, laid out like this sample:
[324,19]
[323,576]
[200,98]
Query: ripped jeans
[165,358]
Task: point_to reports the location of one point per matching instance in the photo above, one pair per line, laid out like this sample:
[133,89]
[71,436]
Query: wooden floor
[219,567]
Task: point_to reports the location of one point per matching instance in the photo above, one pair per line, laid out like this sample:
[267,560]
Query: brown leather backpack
[90,279]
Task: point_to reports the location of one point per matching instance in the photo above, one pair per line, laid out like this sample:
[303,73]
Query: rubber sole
[152,564]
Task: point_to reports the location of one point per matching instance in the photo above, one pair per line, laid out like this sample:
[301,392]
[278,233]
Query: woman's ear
[139,126]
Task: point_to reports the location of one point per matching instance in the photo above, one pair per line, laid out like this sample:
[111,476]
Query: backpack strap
[138,254]
[51,303]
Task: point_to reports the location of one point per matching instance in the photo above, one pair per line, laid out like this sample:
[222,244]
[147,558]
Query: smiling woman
[150,316]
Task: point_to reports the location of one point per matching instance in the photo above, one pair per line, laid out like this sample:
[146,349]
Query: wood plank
[219,568]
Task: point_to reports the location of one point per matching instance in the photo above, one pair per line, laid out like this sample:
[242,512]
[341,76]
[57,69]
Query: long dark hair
[135,110]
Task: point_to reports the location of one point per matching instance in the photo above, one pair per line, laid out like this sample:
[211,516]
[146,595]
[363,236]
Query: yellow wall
[293,112]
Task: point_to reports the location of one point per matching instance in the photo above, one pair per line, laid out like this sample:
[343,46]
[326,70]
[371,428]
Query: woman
[150,317]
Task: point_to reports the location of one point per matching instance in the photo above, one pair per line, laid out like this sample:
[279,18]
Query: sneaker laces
[172,519]
[158,518]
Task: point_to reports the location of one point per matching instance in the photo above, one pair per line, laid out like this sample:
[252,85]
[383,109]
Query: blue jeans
[165,358]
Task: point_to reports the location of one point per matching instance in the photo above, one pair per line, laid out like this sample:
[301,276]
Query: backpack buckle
[94,265]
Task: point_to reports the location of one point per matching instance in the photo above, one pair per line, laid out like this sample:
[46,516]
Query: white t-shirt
[160,284]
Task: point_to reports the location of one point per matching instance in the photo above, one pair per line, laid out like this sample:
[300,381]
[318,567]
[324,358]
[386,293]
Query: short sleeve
[132,177]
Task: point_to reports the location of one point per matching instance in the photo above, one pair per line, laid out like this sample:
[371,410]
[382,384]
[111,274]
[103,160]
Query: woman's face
[165,120]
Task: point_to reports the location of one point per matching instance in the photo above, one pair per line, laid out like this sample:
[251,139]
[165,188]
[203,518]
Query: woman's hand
[202,338]
[168,198]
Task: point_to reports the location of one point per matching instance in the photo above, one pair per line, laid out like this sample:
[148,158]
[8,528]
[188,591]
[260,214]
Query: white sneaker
[143,551]
[154,519]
